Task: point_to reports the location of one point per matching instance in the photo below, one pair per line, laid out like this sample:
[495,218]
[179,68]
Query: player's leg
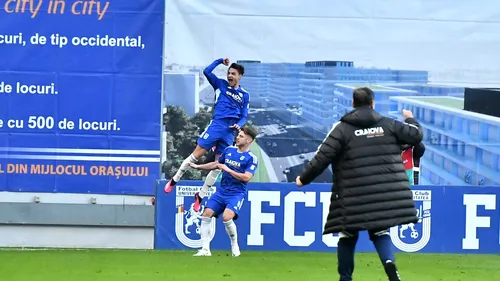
[214,206]
[206,141]
[192,158]
[227,139]
[209,182]
[383,244]
[206,219]
[233,206]
[345,255]
[211,177]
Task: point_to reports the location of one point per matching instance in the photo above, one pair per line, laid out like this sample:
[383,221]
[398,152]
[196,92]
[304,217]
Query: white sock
[205,232]
[231,232]
[183,168]
[209,182]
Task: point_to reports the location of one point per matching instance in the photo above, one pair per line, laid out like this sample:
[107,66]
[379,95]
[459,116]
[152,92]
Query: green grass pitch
[118,265]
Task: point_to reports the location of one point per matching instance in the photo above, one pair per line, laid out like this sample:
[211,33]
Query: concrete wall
[76,221]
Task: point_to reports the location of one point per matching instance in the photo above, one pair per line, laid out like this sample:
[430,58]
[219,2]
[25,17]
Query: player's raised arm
[244,111]
[212,79]
[326,154]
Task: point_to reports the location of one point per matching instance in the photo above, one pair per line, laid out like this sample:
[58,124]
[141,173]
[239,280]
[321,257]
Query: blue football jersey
[239,162]
[229,102]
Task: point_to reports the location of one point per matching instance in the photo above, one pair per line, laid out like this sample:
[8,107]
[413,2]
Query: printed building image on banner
[80,96]
[303,60]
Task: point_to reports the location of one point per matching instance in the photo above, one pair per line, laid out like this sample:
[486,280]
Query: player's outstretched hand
[194,166]
[235,126]
[226,61]
[298,182]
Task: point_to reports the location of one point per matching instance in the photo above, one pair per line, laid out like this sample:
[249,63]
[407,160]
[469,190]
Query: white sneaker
[236,251]
[203,253]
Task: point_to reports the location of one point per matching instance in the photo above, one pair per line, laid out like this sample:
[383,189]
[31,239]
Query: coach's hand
[298,182]
[194,166]
[407,114]
[235,126]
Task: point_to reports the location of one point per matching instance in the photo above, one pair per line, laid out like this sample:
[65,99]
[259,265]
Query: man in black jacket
[371,190]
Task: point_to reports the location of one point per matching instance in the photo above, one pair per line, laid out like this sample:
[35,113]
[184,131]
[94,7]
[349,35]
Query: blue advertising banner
[80,95]
[282,217]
